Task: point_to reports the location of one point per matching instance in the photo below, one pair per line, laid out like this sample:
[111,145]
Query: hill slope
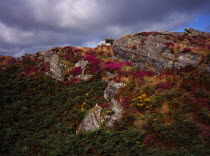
[122,98]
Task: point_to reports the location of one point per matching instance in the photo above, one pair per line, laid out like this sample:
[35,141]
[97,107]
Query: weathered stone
[186,59]
[47,55]
[111,90]
[109,40]
[171,33]
[147,53]
[117,113]
[110,75]
[98,116]
[92,121]
[85,77]
[168,55]
[83,64]
[103,43]
[151,53]
[196,32]
[56,67]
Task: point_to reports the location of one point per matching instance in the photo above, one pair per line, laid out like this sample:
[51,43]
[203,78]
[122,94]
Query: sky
[28,26]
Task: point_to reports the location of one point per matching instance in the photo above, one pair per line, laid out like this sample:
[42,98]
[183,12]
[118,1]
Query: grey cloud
[30,24]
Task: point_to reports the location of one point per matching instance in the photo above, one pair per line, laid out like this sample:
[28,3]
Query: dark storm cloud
[34,24]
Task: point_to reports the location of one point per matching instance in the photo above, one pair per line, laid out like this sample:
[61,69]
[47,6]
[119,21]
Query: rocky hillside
[142,94]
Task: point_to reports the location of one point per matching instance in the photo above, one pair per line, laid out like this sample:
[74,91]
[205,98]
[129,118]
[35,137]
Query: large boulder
[111,90]
[109,40]
[56,67]
[92,121]
[150,52]
[196,32]
[83,64]
[47,55]
[116,114]
[98,116]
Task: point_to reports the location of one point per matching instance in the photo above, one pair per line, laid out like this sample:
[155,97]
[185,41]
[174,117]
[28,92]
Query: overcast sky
[31,25]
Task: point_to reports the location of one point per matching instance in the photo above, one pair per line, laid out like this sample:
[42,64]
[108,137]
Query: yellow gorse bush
[84,104]
[143,101]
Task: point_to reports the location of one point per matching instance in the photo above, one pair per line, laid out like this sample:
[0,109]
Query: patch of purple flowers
[112,66]
[76,71]
[187,50]
[180,38]
[77,50]
[91,57]
[105,105]
[169,44]
[145,73]
[69,57]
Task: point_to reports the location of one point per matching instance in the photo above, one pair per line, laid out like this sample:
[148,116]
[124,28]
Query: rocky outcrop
[98,117]
[92,121]
[56,67]
[103,43]
[111,90]
[48,55]
[196,32]
[109,40]
[116,114]
[83,64]
[150,52]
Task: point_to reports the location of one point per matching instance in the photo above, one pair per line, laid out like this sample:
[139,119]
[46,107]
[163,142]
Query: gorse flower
[84,104]
[142,101]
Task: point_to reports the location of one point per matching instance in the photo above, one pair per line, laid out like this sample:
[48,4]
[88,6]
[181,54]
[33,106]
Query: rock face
[98,116]
[103,43]
[116,113]
[92,121]
[83,64]
[111,90]
[150,52]
[196,32]
[109,40]
[47,55]
[56,67]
